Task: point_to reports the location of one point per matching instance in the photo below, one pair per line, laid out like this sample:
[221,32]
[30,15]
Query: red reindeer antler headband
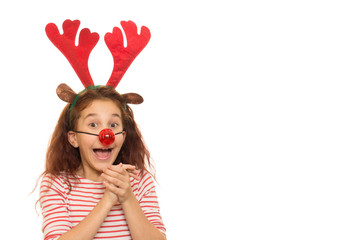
[78,56]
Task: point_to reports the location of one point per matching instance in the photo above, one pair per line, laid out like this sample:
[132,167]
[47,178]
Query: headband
[78,56]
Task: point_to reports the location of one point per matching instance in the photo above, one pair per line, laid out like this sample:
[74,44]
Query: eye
[114,125]
[93,125]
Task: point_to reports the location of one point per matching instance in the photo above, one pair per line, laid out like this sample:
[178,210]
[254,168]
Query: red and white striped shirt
[62,210]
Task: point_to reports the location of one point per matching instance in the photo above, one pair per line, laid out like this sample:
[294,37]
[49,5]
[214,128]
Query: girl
[95,184]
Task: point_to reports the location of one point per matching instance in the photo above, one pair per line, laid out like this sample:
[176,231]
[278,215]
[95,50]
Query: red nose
[106,136]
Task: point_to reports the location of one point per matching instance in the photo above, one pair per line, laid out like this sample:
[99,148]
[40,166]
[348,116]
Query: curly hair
[62,157]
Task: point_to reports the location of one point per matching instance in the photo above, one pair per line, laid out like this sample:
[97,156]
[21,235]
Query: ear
[124,134]
[65,93]
[73,139]
[132,98]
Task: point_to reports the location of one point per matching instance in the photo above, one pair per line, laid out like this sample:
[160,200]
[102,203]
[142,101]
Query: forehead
[102,107]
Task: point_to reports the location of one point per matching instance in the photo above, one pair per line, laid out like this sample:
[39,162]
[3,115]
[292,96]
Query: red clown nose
[106,136]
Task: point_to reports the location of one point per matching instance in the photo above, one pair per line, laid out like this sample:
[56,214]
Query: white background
[251,111]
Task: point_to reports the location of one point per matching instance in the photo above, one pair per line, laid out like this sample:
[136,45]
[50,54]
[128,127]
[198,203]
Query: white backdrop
[251,111]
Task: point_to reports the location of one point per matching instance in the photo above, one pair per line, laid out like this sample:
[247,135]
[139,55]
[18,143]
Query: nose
[106,136]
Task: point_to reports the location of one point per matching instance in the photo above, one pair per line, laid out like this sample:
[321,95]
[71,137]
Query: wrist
[129,200]
[108,201]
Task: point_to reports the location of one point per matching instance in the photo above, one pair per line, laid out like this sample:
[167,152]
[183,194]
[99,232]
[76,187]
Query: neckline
[82,179]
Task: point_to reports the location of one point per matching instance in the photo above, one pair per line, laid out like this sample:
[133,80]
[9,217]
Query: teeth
[102,153]
[102,150]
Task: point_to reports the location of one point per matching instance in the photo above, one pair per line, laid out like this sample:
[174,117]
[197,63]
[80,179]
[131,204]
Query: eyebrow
[116,115]
[90,115]
[95,114]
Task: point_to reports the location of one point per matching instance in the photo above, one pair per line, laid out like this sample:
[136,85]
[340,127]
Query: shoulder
[54,183]
[146,178]
[146,183]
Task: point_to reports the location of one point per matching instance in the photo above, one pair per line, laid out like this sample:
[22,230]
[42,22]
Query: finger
[134,175]
[117,168]
[121,193]
[132,171]
[112,188]
[112,180]
[128,166]
[116,171]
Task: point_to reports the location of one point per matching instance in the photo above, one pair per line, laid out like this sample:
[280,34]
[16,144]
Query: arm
[118,182]
[89,226]
[56,223]
[139,225]
[56,219]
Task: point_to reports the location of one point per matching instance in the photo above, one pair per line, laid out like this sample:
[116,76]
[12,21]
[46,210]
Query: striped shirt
[62,210]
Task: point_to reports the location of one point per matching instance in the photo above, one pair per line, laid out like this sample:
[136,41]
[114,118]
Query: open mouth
[102,153]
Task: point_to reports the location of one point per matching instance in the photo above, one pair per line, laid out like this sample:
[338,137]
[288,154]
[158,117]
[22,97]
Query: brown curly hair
[62,157]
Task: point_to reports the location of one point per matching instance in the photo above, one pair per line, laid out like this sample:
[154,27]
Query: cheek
[87,141]
[120,140]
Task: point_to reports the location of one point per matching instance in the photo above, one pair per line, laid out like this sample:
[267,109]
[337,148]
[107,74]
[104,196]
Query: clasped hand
[117,181]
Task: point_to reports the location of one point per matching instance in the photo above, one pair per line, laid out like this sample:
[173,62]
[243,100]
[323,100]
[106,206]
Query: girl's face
[95,157]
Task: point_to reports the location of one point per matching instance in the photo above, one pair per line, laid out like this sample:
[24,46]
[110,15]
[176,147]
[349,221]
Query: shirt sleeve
[54,208]
[149,202]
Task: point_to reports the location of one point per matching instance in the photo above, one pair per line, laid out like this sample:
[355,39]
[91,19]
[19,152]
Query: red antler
[124,56]
[78,56]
